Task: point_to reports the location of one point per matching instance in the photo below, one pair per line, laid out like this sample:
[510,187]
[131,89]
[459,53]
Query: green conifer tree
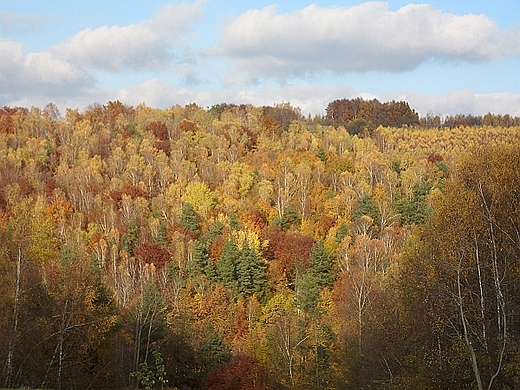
[251,272]
[366,206]
[321,265]
[415,211]
[189,219]
[200,259]
[227,266]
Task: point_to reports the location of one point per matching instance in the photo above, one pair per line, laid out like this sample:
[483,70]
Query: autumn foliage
[243,247]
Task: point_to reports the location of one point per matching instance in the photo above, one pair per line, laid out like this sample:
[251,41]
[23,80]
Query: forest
[243,247]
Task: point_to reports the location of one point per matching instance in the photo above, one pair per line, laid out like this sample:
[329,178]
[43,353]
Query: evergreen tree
[251,272]
[162,238]
[213,351]
[321,265]
[342,232]
[321,154]
[366,206]
[308,292]
[200,260]
[227,266]
[289,218]
[189,219]
[129,239]
[415,211]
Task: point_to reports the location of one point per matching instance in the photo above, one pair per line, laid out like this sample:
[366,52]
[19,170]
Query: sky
[443,57]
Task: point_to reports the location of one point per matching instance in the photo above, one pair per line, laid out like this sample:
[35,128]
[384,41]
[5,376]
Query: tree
[321,265]
[189,219]
[366,207]
[227,266]
[251,272]
[359,282]
[470,252]
[152,253]
[147,376]
[285,335]
[243,372]
[31,243]
[201,263]
[357,113]
[415,211]
[213,351]
[287,255]
[147,319]
[200,197]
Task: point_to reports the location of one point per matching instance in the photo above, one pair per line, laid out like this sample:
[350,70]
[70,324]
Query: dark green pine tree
[321,265]
[366,206]
[201,263]
[318,276]
[227,266]
[189,219]
[129,239]
[252,273]
[212,351]
[415,211]
[162,236]
[308,293]
[342,232]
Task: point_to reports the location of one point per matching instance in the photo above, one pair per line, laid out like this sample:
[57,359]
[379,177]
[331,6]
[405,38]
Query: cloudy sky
[443,57]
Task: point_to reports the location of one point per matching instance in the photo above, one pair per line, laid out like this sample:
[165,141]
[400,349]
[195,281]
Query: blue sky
[443,57]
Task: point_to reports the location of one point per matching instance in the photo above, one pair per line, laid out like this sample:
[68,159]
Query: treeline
[359,116]
[242,247]
[461,120]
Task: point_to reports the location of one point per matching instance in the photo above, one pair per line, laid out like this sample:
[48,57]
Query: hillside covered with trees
[242,247]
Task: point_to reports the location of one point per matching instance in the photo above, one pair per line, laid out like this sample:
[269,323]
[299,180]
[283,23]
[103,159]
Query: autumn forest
[243,247]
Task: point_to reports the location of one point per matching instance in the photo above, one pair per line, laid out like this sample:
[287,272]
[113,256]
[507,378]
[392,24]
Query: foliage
[366,207]
[147,377]
[257,248]
[415,211]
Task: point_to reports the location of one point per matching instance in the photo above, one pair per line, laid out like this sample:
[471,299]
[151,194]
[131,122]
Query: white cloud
[146,45]
[356,39]
[67,69]
[314,99]
[464,101]
[20,22]
[22,73]
[158,93]
[311,99]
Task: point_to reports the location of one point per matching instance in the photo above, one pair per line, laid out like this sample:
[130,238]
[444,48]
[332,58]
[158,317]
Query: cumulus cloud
[67,69]
[26,73]
[146,45]
[357,39]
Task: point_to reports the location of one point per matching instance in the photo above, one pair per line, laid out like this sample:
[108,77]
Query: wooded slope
[249,247]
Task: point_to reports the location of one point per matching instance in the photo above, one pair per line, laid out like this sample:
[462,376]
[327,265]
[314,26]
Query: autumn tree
[470,252]
[284,337]
[243,372]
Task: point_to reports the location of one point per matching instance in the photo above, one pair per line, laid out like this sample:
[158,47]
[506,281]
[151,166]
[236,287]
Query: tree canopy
[251,247]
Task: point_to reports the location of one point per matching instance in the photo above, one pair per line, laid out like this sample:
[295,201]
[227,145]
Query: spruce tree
[321,265]
[308,292]
[189,219]
[415,211]
[251,272]
[227,266]
[366,206]
[200,260]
